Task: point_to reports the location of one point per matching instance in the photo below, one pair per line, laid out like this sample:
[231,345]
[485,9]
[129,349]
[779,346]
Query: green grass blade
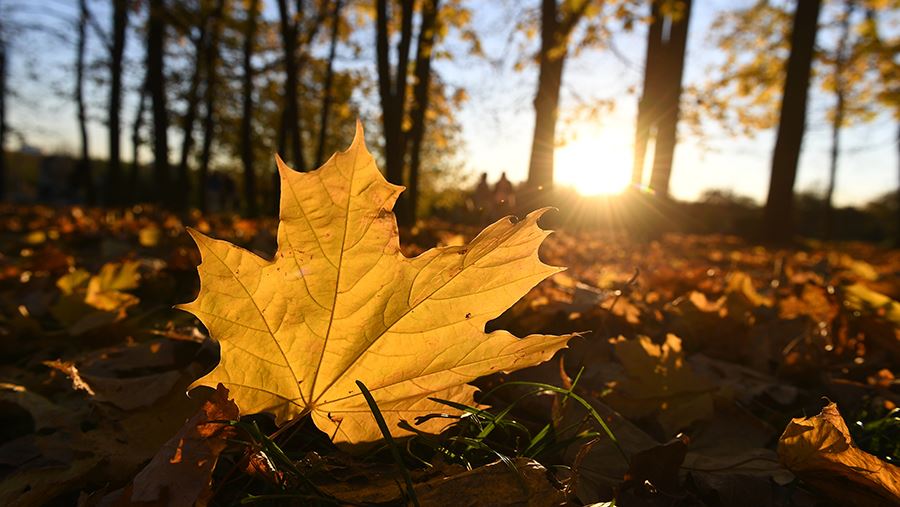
[584,403]
[386,433]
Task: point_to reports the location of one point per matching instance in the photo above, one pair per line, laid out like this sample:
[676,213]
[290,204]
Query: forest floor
[695,352]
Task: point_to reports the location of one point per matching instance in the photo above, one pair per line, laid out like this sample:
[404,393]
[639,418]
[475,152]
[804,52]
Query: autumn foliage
[685,370]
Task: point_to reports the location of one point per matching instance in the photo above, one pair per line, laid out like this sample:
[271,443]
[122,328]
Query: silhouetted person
[214,191]
[481,201]
[504,196]
[229,193]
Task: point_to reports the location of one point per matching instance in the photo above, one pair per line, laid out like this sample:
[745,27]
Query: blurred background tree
[747,87]
[205,91]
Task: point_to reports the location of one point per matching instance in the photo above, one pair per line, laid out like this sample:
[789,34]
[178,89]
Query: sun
[597,162]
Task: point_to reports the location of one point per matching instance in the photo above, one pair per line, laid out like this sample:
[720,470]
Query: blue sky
[498,118]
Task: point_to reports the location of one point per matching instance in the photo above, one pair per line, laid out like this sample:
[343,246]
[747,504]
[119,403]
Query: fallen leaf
[44,413]
[180,473]
[149,236]
[132,393]
[90,302]
[600,465]
[860,297]
[720,469]
[72,281]
[341,303]
[494,485]
[491,485]
[655,471]
[105,290]
[119,375]
[862,269]
[820,451]
[748,478]
[742,296]
[743,383]
[69,369]
[660,383]
[41,486]
[813,302]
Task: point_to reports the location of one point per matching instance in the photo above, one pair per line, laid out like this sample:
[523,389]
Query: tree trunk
[327,92]
[392,90]
[424,48]
[546,101]
[3,128]
[555,31]
[210,63]
[833,162]
[649,95]
[84,164]
[672,69]
[388,108]
[247,119]
[777,218]
[897,193]
[157,88]
[136,127]
[291,114]
[837,122]
[190,116]
[114,172]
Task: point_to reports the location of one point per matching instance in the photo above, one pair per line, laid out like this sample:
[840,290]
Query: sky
[498,118]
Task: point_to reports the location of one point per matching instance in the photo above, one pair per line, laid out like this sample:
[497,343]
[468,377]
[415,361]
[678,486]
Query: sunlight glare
[597,162]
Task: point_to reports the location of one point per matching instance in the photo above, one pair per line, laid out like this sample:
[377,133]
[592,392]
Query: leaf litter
[706,357]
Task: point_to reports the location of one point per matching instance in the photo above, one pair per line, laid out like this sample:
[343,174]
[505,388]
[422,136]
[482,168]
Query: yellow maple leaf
[339,303]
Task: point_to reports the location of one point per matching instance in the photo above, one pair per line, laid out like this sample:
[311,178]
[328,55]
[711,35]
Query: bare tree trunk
[897,193]
[136,127]
[291,115]
[555,31]
[546,101]
[247,119]
[157,88]
[392,90]
[778,214]
[84,176]
[649,94]
[327,92]
[3,127]
[295,56]
[114,172]
[833,162]
[211,60]
[385,88]
[837,122]
[672,68]
[424,49]
[190,116]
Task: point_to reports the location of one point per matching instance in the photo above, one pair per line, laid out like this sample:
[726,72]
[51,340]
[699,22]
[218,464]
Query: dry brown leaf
[659,382]
[820,451]
[491,485]
[180,473]
[69,369]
